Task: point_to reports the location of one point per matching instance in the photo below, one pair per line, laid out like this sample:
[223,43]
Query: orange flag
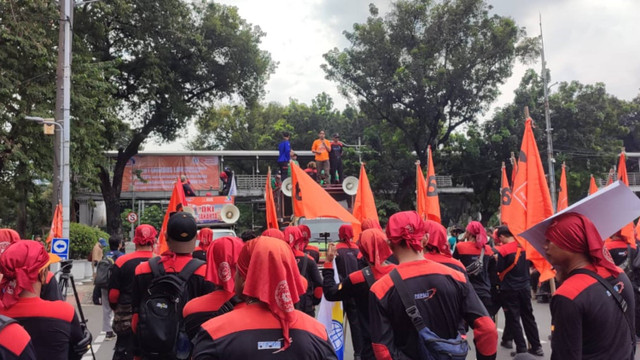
[272,217]
[563,197]
[627,231]
[433,203]
[364,206]
[530,202]
[312,201]
[56,225]
[505,194]
[592,185]
[421,192]
[175,204]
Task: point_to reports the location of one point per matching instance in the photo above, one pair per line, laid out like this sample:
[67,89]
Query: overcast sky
[585,40]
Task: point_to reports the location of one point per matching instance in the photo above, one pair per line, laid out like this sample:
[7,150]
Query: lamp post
[64,164]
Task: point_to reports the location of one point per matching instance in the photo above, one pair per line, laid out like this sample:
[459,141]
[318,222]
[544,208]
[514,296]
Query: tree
[428,67]
[173,59]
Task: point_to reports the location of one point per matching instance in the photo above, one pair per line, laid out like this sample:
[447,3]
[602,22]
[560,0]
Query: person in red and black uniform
[586,321]
[310,250]
[266,325]
[347,262]
[469,252]
[15,342]
[373,245]
[53,325]
[205,237]
[181,239]
[448,298]
[308,269]
[121,289]
[515,295]
[222,257]
[437,246]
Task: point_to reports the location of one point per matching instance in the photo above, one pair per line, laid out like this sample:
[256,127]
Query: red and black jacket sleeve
[122,277]
[15,344]
[206,307]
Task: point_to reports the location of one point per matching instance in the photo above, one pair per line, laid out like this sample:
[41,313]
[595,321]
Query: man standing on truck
[321,148]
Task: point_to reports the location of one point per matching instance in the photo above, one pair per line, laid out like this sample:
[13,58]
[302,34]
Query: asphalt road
[104,349]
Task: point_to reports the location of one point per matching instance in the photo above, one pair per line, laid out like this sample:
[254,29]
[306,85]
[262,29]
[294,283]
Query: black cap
[182,227]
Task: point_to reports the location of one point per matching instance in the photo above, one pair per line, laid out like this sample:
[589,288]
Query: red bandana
[271,276]
[437,238]
[292,235]
[576,233]
[306,236]
[407,227]
[370,224]
[145,235]
[476,229]
[205,235]
[374,247]
[222,257]
[20,265]
[274,233]
[7,237]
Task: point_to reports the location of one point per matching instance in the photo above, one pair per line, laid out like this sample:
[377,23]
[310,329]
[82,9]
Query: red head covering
[345,233]
[407,227]
[476,229]
[7,237]
[20,265]
[373,246]
[292,234]
[222,256]
[576,233]
[272,276]
[205,235]
[370,224]
[306,232]
[274,233]
[224,176]
[437,238]
[145,235]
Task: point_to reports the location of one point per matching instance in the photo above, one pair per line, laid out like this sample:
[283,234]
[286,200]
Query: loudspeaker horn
[350,185]
[229,214]
[287,187]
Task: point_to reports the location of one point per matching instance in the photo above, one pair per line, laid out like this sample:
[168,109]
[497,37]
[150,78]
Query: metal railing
[253,182]
[634,179]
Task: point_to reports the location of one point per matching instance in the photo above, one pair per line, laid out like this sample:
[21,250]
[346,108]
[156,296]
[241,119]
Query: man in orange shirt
[321,148]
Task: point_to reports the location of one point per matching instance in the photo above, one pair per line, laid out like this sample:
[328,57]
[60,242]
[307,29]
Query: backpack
[4,321]
[103,271]
[430,346]
[160,324]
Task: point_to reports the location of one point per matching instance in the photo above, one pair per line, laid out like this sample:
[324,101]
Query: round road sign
[132,217]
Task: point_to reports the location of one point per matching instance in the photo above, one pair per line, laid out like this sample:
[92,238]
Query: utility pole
[62,110]
[550,159]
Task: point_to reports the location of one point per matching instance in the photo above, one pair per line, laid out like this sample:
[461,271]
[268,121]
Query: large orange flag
[176,203]
[563,197]
[627,231]
[272,217]
[592,185]
[312,201]
[421,191]
[364,206]
[433,203]
[530,202]
[56,225]
[505,194]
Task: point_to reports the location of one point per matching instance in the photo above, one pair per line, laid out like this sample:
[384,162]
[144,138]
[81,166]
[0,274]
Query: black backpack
[4,321]
[103,271]
[160,329]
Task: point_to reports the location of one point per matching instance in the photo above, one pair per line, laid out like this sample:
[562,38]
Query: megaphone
[350,185]
[287,187]
[229,214]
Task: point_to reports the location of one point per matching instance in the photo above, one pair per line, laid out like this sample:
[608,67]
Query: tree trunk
[21,219]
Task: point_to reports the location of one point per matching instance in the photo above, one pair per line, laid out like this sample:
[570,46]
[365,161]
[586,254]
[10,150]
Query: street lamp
[64,161]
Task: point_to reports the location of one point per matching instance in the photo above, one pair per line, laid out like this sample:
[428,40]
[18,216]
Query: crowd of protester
[408,292]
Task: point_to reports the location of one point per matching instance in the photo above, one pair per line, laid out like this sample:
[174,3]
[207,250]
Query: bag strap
[189,269]
[628,257]
[157,269]
[504,272]
[368,275]
[622,303]
[481,258]
[4,321]
[408,302]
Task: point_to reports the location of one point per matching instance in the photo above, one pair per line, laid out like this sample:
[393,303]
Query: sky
[586,40]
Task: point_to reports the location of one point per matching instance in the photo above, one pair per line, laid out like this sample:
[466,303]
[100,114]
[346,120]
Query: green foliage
[82,238]
[153,215]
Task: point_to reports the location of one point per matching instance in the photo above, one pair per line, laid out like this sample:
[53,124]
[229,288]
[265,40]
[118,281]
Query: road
[104,349]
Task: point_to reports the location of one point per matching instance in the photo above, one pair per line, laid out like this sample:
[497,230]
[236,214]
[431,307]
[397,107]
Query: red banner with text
[158,172]
[207,209]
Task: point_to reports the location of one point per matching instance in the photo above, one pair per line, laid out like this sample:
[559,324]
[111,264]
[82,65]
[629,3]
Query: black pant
[517,306]
[124,347]
[336,167]
[284,169]
[354,325]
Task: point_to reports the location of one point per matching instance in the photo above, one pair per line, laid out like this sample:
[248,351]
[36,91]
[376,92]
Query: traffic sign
[60,247]
[132,217]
